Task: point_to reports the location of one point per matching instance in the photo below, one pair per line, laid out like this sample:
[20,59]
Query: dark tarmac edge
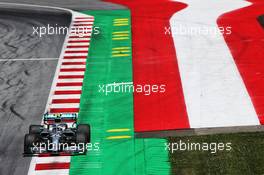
[31,11]
[201,131]
[77,5]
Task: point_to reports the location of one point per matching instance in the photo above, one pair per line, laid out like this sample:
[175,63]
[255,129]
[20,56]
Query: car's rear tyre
[35,129]
[85,129]
[28,143]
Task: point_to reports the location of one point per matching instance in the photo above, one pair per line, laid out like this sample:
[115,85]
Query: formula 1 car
[59,135]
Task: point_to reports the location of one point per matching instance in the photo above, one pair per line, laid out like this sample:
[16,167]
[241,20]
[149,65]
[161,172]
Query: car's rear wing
[60,117]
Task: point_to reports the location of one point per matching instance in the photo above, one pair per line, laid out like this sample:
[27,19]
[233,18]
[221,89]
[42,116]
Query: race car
[58,135]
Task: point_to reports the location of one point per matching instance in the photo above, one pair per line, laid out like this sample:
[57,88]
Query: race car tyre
[85,129]
[28,142]
[35,129]
[81,138]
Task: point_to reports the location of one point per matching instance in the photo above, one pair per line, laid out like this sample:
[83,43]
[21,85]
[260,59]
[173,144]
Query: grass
[245,157]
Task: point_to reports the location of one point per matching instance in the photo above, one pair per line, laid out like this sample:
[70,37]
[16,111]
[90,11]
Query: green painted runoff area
[111,114]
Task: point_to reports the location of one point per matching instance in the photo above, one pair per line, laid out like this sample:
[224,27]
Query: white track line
[29,59]
[214,91]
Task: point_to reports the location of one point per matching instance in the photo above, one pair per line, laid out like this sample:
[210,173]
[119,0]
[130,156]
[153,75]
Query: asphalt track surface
[25,84]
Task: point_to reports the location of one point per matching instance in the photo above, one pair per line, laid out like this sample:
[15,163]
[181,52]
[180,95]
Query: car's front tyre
[35,129]
[85,129]
[29,141]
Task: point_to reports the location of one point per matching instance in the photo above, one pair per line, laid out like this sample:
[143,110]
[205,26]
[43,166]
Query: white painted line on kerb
[71,80]
[81,27]
[79,39]
[53,159]
[69,96]
[72,66]
[84,35]
[73,60]
[77,49]
[88,23]
[52,172]
[65,105]
[76,54]
[214,92]
[71,73]
[87,19]
[65,88]
[81,30]
[78,44]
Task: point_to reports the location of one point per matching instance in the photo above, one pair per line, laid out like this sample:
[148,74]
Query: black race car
[59,135]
